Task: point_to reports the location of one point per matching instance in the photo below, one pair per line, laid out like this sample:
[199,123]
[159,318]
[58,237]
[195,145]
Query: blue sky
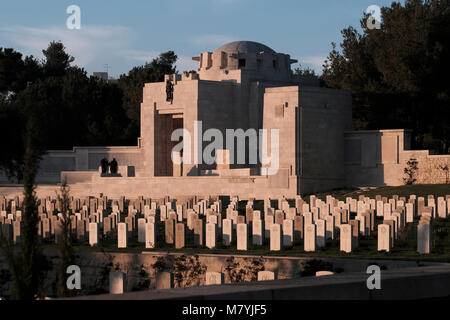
[124,34]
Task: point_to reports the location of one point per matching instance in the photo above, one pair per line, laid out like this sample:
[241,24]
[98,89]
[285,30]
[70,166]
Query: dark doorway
[166,124]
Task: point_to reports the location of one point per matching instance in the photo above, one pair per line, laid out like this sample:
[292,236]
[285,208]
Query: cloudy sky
[119,34]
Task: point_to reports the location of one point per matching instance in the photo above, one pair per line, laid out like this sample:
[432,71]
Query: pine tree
[66,253]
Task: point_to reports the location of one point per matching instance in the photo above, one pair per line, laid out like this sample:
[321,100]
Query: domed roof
[245,47]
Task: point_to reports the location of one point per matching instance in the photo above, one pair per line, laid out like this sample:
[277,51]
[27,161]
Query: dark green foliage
[245,270]
[160,264]
[16,73]
[66,253]
[410,172]
[69,108]
[11,140]
[187,270]
[398,75]
[144,280]
[28,264]
[57,61]
[300,71]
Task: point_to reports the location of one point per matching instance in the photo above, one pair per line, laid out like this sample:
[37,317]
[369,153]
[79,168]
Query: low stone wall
[411,283]
[140,268]
[81,160]
[430,167]
[377,158]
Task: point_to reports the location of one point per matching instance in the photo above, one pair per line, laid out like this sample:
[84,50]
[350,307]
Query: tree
[66,253]
[11,140]
[68,107]
[398,73]
[27,266]
[300,71]
[15,72]
[57,61]
[410,171]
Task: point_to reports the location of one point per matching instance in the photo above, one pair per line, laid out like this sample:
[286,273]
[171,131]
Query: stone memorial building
[245,100]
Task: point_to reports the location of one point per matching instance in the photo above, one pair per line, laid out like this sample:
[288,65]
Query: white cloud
[183,63]
[186,64]
[93,46]
[316,61]
[85,45]
[140,56]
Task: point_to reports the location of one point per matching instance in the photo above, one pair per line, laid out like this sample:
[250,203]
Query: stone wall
[430,167]
[82,161]
[324,116]
[379,157]
[140,270]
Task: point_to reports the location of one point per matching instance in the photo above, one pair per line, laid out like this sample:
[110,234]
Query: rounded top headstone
[245,47]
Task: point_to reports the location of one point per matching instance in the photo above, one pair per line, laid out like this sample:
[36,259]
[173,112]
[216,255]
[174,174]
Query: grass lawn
[420,190]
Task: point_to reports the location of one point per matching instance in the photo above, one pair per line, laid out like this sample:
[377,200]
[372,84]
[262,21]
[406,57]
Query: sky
[117,35]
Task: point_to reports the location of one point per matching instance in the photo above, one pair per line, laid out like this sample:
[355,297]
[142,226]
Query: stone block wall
[379,157]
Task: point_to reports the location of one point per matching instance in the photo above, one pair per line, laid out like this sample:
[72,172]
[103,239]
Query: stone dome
[245,47]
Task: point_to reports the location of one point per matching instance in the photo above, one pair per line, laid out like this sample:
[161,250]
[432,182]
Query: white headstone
[268,221]
[387,210]
[310,238]
[380,208]
[150,235]
[141,230]
[409,212]
[275,237]
[227,231]
[324,273]
[214,278]
[266,275]
[308,218]
[362,224]
[329,232]
[320,233]
[257,230]
[442,208]
[424,238]
[288,232]
[93,234]
[122,235]
[117,282]
[210,235]
[384,237]
[346,238]
[241,235]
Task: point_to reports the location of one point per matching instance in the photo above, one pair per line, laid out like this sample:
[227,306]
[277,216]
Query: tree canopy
[66,107]
[398,74]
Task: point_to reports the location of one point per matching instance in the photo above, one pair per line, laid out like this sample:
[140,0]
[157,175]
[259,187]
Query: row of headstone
[312,222]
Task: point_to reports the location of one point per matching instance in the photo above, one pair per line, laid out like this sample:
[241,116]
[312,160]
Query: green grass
[420,190]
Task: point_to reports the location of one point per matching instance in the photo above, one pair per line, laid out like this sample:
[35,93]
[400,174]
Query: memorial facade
[268,132]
